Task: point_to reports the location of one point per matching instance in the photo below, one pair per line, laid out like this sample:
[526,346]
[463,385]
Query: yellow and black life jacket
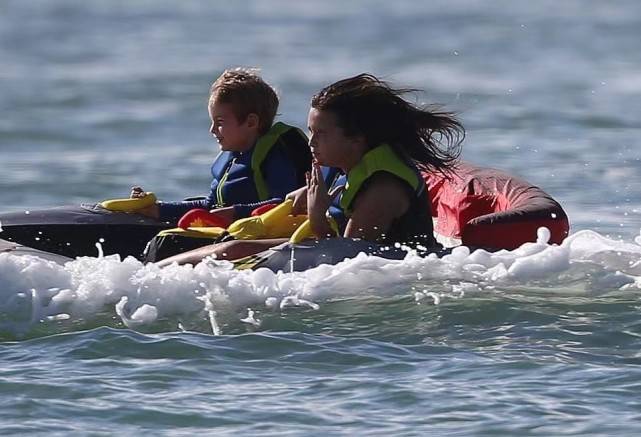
[415,226]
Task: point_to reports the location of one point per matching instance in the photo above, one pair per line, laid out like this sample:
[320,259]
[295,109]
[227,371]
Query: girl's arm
[384,199]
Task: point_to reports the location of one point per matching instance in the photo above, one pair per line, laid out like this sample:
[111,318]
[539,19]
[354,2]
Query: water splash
[35,290]
[250,319]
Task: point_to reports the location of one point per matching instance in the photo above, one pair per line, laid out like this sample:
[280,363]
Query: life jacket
[240,175]
[415,226]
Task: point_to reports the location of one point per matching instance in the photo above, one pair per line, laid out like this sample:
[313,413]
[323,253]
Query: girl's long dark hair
[365,105]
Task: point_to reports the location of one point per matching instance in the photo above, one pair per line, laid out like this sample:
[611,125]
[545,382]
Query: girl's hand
[318,199]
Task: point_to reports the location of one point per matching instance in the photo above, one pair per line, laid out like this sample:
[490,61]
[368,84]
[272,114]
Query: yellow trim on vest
[381,158]
[261,150]
[220,201]
[275,223]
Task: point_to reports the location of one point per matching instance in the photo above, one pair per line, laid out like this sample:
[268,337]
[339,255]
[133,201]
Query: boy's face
[232,135]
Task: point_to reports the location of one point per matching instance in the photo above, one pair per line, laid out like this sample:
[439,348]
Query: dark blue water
[96,97]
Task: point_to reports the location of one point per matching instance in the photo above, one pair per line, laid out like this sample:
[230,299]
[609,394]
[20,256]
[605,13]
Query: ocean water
[544,340]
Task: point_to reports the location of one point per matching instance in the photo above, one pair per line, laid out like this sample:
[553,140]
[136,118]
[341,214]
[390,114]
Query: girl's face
[232,135]
[328,142]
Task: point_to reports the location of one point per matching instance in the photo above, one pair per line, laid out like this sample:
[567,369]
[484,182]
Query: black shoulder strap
[295,144]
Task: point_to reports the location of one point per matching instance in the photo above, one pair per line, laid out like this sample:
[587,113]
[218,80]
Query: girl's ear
[252,120]
[359,142]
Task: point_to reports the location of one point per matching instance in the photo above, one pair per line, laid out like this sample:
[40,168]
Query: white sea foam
[250,318]
[36,290]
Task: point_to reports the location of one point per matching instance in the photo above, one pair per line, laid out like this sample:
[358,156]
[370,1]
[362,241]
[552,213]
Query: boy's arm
[242,210]
[172,211]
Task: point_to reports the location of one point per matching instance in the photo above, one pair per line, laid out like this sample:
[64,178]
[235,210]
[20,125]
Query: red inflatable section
[262,209]
[201,217]
[488,208]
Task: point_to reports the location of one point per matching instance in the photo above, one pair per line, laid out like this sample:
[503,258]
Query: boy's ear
[252,120]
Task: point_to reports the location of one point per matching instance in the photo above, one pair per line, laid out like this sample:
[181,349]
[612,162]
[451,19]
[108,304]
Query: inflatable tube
[488,208]
[296,257]
[73,231]
[20,250]
[478,207]
[482,207]
[200,218]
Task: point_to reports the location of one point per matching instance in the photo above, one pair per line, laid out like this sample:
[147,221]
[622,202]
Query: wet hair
[365,105]
[247,93]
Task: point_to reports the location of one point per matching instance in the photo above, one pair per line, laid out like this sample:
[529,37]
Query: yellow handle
[277,213]
[130,205]
[206,232]
[275,223]
[304,231]
[248,228]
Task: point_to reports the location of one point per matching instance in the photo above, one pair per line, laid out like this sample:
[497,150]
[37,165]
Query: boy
[258,163]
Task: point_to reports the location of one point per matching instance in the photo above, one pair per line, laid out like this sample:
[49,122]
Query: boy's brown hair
[247,93]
